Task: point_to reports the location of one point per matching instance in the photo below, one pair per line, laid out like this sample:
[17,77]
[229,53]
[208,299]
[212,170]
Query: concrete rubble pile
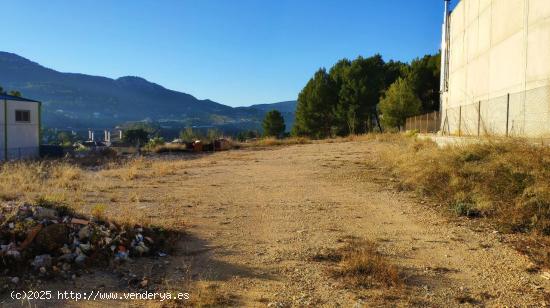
[46,242]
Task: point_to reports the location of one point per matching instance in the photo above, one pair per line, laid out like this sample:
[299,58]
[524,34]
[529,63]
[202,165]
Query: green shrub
[155,142]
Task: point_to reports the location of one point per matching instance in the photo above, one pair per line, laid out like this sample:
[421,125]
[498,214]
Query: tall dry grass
[119,188]
[505,180]
[29,180]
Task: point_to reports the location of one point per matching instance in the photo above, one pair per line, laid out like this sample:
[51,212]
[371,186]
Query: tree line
[12,93]
[355,97]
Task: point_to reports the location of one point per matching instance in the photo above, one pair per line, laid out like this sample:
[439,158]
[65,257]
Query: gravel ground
[256,217]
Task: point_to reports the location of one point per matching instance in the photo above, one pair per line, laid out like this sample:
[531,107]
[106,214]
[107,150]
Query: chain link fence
[424,123]
[19,153]
[523,114]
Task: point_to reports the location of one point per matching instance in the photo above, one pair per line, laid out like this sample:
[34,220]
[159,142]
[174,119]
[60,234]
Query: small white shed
[19,128]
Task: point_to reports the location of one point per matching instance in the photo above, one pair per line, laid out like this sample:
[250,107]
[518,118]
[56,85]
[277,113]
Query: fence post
[459,120]
[447,121]
[478,117]
[427,114]
[507,113]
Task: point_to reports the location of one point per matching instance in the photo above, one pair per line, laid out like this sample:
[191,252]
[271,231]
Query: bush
[137,136]
[155,142]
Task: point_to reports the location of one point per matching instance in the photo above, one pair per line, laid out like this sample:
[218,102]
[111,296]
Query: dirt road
[258,216]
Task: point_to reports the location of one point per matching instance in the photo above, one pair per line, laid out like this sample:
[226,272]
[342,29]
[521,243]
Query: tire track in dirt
[257,217]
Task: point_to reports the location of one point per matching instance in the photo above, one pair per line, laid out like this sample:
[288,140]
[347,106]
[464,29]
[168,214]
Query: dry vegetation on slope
[88,190]
[506,181]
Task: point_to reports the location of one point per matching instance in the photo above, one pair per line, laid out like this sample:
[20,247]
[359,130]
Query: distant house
[19,128]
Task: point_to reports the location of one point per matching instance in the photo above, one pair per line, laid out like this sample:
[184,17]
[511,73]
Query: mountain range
[79,101]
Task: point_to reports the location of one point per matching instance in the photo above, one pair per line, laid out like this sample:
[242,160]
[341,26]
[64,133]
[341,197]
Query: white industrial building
[19,128]
[496,68]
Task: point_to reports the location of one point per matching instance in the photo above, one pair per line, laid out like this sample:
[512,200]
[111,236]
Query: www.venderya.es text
[97,295]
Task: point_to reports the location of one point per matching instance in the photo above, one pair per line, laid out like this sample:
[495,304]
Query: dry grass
[27,181]
[387,137]
[508,181]
[210,295]
[270,142]
[115,190]
[361,265]
[505,181]
[142,167]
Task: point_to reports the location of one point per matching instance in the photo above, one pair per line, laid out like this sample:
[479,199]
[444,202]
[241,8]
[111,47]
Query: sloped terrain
[82,101]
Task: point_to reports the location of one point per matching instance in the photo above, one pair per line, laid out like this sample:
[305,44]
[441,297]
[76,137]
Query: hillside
[286,108]
[81,101]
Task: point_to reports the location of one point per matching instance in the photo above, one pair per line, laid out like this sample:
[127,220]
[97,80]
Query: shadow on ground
[191,261]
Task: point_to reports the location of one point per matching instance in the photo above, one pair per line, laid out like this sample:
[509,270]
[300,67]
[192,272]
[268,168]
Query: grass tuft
[363,266]
[359,264]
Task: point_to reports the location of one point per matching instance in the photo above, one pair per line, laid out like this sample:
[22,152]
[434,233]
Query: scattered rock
[44,213]
[49,244]
[144,283]
[42,261]
[84,233]
[80,259]
[66,267]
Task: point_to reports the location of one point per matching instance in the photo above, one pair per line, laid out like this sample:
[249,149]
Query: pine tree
[273,124]
[314,112]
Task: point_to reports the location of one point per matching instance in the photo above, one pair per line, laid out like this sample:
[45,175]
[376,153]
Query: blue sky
[236,52]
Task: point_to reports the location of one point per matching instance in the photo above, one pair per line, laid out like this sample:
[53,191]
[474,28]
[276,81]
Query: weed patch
[359,264]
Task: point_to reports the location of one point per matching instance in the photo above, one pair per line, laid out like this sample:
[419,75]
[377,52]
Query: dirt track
[257,217]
